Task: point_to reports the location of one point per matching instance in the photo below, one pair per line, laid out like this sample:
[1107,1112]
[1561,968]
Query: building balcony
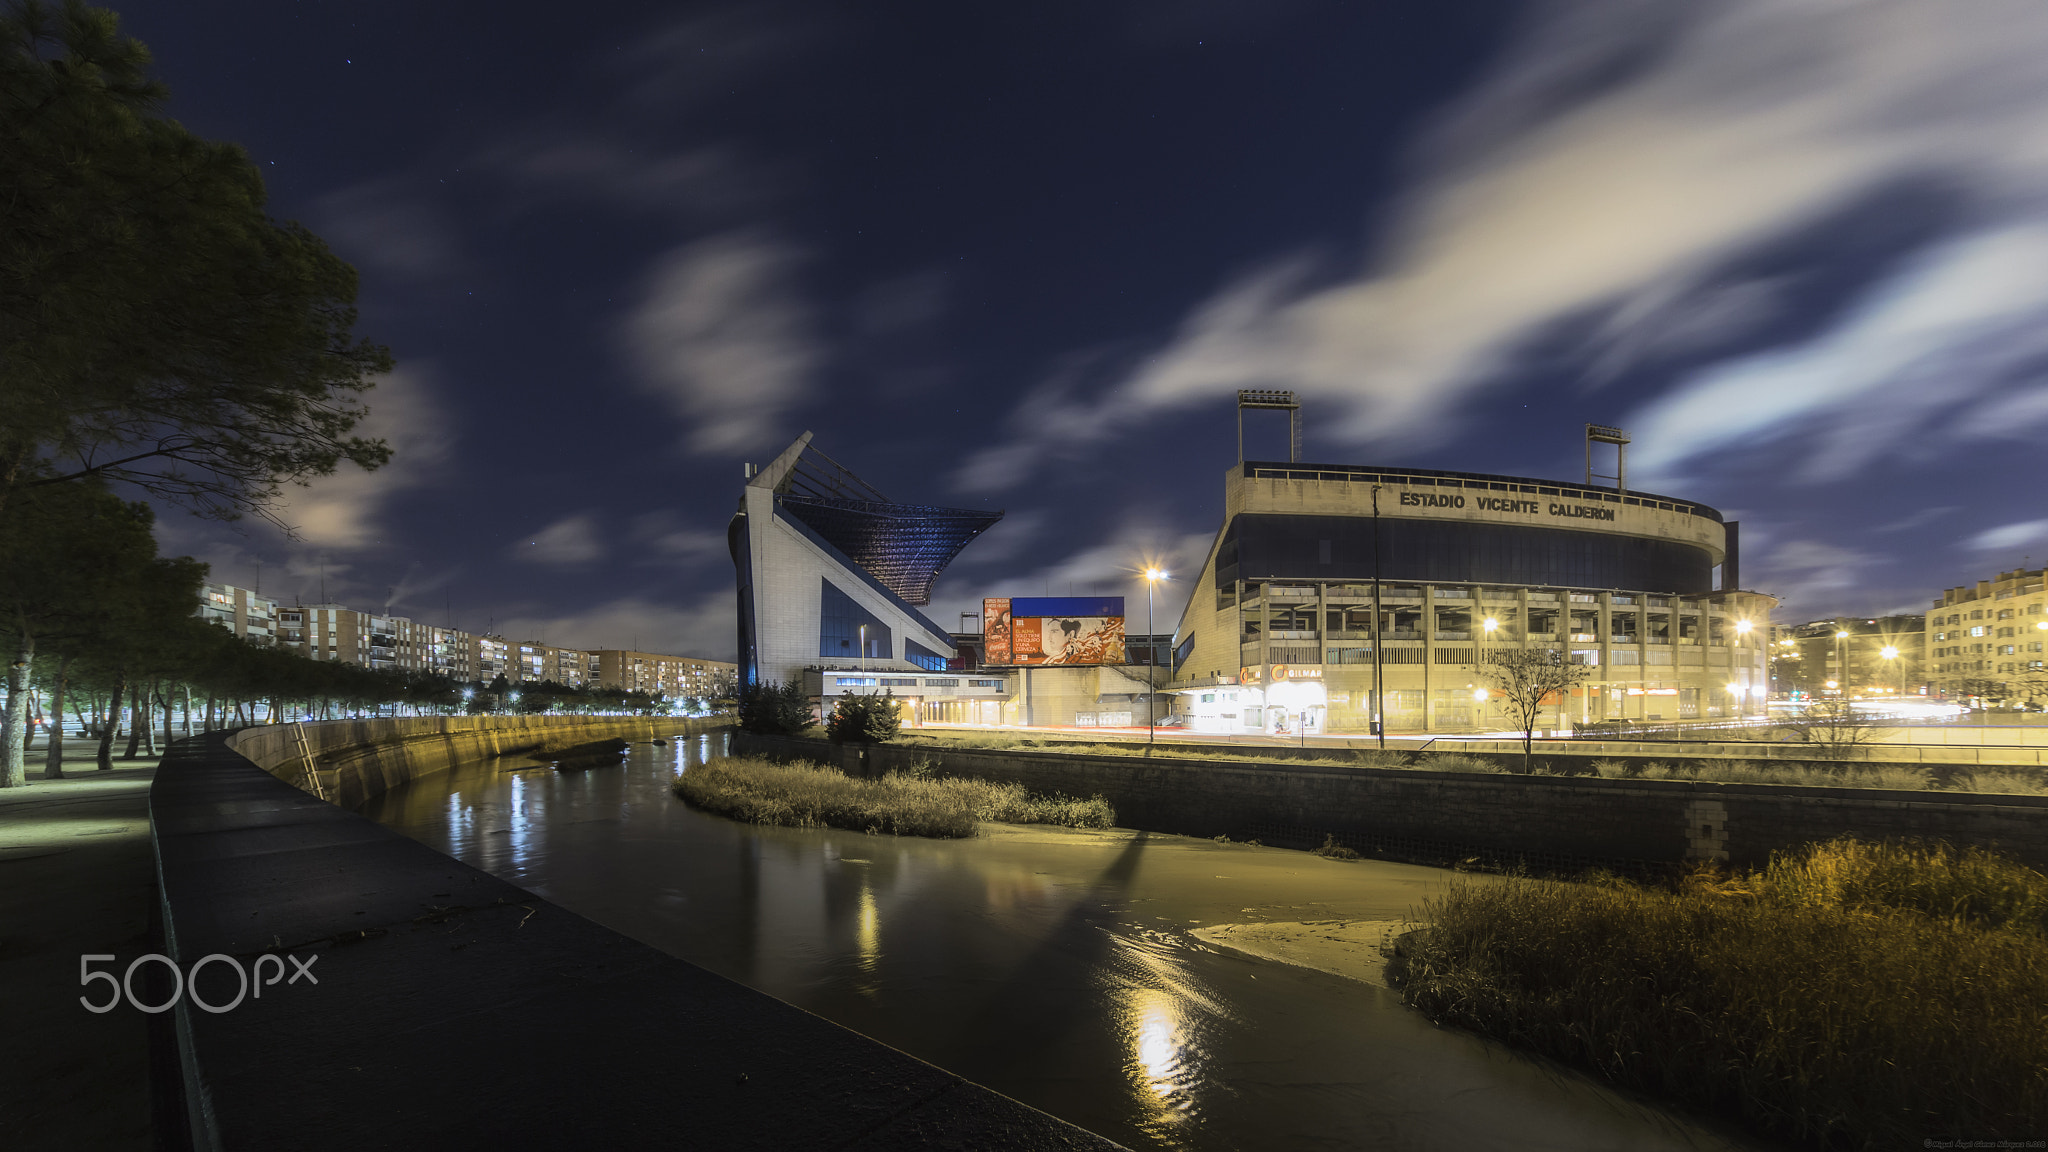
[1442,635]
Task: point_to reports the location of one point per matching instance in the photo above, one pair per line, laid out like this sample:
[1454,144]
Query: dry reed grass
[900,804]
[1852,995]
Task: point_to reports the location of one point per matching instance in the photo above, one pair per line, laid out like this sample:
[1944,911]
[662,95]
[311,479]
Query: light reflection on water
[1052,966]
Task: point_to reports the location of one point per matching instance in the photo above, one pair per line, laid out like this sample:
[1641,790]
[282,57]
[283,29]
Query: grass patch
[900,804]
[1851,995]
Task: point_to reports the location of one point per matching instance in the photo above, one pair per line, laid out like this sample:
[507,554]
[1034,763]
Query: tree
[74,556]
[1834,727]
[1526,677]
[2030,685]
[157,328]
[864,719]
[774,708]
[1981,687]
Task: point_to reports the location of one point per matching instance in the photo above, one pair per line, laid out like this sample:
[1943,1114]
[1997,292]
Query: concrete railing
[1549,821]
[349,761]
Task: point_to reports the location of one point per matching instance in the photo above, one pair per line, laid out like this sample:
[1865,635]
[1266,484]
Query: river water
[1051,965]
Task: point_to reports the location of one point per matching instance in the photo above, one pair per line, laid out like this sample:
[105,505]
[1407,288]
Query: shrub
[774,708]
[1853,995]
[872,719]
[1331,850]
[807,796]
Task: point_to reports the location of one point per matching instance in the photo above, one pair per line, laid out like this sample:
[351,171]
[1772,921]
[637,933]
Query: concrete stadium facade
[1326,576]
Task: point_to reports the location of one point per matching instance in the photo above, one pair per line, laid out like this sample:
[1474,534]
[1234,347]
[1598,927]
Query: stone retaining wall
[1547,821]
[353,760]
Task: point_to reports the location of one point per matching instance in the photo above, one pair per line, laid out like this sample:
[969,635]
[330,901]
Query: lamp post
[1742,628]
[863,645]
[1841,665]
[1152,578]
[1488,626]
[1379,635]
[1891,653]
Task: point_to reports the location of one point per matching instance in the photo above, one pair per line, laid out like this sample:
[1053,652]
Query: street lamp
[1152,578]
[863,642]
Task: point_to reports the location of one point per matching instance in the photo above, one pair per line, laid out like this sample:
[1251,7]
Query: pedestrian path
[77,877]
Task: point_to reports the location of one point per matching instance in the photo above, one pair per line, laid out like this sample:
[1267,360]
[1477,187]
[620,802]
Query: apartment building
[336,632]
[250,615]
[659,675]
[1996,630]
[1850,656]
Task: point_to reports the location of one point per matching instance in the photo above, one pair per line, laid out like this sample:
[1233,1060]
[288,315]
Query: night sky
[1021,256]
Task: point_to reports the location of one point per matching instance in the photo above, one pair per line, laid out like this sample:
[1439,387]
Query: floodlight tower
[1277,399]
[1602,434]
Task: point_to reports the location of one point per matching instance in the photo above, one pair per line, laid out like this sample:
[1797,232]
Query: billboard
[1053,630]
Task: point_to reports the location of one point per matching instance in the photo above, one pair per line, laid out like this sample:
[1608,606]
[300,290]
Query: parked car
[1618,724]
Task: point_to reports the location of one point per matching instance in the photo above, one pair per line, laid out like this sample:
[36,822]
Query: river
[1052,965]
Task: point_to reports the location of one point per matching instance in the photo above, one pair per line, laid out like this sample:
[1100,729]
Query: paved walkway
[77,876]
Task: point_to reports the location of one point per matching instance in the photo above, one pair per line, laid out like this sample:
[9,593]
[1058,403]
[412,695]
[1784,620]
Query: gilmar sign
[1254,674]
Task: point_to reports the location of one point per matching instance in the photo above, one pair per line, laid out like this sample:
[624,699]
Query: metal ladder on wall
[312,770]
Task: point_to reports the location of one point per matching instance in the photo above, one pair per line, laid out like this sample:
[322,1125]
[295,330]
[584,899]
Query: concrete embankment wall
[1579,757]
[352,760]
[1549,821]
[1934,749]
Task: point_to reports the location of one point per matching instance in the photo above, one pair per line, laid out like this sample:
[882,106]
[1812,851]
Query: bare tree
[1525,678]
[1833,727]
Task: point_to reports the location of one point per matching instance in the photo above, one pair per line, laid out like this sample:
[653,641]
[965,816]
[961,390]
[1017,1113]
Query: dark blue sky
[1021,258]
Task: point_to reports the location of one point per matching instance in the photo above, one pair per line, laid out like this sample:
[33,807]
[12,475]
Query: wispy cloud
[723,336]
[1623,158]
[340,512]
[391,226]
[703,629]
[1960,320]
[663,538]
[2010,536]
[1810,575]
[570,542]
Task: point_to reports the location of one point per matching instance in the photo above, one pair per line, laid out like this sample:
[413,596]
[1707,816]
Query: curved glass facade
[1259,546]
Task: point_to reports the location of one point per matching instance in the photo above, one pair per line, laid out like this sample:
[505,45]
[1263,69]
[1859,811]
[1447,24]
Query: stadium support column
[1603,620]
[1428,657]
[1323,636]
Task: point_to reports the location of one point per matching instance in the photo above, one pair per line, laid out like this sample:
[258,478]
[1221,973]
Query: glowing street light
[1491,624]
[1152,578]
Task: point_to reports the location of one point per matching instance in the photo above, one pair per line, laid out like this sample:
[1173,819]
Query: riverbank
[1848,996]
[800,795]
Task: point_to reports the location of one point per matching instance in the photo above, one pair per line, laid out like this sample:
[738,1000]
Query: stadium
[1331,588]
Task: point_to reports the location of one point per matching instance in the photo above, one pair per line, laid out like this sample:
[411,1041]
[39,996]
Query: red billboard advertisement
[1053,630]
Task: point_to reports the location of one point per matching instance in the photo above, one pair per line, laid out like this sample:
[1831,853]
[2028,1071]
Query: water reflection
[870,930]
[1050,965]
